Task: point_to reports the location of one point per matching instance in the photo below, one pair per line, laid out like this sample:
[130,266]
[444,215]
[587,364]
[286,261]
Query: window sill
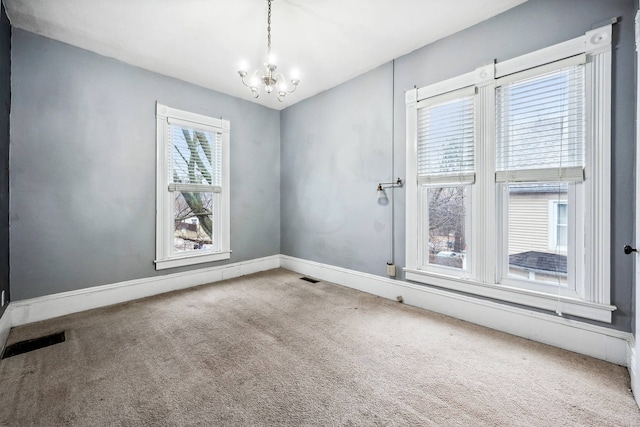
[563,304]
[192,259]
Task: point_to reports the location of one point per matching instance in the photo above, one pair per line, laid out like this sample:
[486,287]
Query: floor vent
[309,279]
[33,344]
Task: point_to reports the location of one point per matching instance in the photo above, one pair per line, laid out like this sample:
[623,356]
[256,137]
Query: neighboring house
[538,231]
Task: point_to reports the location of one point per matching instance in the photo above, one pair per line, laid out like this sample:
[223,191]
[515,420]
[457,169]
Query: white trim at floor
[5,327]
[591,340]
[596,341]
[60,304]
[633,372]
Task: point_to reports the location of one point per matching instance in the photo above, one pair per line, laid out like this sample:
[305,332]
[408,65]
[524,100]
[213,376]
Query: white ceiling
[204,41]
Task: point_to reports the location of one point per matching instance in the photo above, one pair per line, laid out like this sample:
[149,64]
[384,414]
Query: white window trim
[593,292]
[164,217]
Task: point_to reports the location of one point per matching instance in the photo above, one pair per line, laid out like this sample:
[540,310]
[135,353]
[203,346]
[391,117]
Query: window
[192,188]
[511,163]
[558,225]
[446,171]
[540,139]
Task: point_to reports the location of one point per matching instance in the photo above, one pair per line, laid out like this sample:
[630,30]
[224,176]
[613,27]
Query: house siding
[529,222]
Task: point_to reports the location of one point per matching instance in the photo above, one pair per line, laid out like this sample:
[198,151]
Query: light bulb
[271,59]
[268,88]
[243,66]
[295,74]
[381,195]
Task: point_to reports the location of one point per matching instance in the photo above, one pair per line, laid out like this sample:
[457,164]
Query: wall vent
[309,279]
[33,344]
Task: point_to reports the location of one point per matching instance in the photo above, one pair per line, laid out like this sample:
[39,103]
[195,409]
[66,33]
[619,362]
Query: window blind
[196,157]
[446,138]
[540,127]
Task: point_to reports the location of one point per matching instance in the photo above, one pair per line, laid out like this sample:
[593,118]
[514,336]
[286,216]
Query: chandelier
[268,77]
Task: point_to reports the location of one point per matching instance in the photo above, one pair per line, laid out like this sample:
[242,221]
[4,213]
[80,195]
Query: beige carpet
[271,349]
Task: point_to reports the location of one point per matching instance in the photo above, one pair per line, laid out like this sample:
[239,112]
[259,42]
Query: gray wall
[348,158]
[336,147]
[83,155]
[83,168]
[5,105]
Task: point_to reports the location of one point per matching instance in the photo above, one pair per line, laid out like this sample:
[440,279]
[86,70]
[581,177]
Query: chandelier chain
[269,30]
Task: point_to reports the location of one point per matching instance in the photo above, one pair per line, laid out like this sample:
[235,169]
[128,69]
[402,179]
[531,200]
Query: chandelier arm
[244,82]
[293,82]
[255,90]
[257,75]
[295,86]
[279,76]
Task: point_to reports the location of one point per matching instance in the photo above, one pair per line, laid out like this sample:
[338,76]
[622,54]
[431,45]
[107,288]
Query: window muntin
[193,188]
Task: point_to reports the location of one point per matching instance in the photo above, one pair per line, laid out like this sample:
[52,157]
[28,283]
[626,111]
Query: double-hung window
[445,176]
[540,164]
[508,177]
[192,213]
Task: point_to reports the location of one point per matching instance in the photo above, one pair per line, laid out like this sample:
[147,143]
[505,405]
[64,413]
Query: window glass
[561,218]
[532,226]
[447,226]
[540,121]
[446,138]
[193,221]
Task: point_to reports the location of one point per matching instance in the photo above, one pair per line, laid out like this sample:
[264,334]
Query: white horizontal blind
[196,156]
[446,140]
[540,127]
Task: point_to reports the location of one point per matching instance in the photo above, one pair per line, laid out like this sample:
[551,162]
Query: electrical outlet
[391,270]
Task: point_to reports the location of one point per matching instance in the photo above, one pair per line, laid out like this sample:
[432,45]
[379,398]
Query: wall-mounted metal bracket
[397,183]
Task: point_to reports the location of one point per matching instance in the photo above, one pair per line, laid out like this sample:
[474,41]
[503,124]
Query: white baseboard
[5,327]
[591,340]
[596,341]
[633,369]
[50,306]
